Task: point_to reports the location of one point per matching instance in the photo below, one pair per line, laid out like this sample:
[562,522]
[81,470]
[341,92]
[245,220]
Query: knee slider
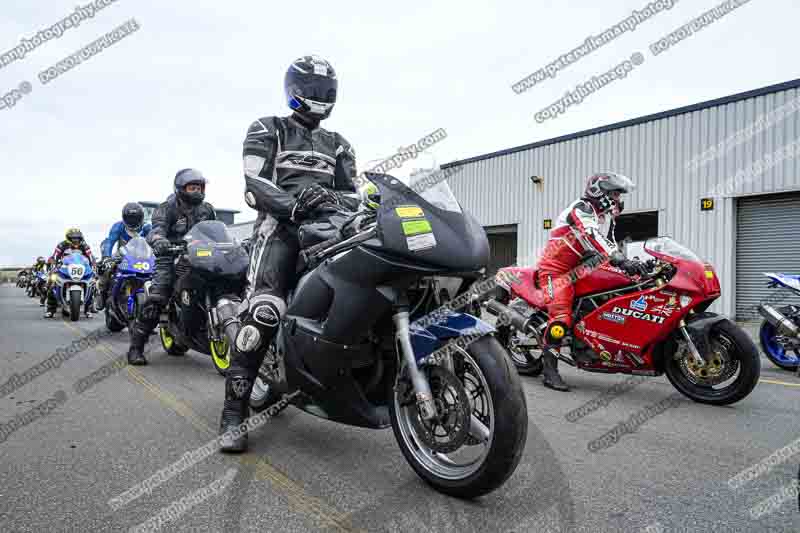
[556,332]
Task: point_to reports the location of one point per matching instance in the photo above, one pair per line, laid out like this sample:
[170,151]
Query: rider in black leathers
[292,168]
[171,221]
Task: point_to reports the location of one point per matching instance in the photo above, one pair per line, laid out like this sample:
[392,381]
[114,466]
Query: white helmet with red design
[603,191]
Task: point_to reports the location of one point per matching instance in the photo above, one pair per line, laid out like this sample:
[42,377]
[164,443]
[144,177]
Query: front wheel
[775,351]
[74,305]
[476,440]
[732,368]
[168,342]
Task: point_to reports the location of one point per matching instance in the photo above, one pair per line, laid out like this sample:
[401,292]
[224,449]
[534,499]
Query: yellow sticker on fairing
[203,253]
[415,227]
[412,211]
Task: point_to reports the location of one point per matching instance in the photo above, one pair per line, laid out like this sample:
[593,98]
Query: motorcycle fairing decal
[427,340]
[612,317]
[409,211]
[639,304]
[639,315]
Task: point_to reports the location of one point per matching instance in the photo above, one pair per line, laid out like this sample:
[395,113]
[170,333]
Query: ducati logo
[639,315]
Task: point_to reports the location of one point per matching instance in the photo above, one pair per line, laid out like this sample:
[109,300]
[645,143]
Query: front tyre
[469,449]
[733,366]
[74,306]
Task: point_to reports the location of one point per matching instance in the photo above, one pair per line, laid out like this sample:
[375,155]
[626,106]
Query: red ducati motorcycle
[650,325]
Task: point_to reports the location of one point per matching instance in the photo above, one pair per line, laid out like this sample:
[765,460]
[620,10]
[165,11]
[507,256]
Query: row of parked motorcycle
[358,345]
[185,323]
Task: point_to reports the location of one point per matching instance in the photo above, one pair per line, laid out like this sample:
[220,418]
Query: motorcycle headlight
[53,277]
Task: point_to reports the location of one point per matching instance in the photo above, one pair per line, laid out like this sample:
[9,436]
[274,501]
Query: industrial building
[720,177]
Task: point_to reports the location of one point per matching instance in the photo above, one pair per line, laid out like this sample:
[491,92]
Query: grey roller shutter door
[768,240]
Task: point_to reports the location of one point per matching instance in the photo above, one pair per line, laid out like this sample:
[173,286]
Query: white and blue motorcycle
[780,331]
[72,283]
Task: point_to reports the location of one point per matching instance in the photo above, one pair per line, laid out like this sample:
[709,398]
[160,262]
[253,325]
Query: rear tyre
[221,355]
[168,342]
[728,343]
[111,323]
[774,351]
[74,306]
[495,397]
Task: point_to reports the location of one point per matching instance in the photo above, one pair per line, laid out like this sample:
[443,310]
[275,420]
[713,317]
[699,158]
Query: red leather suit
[579,231]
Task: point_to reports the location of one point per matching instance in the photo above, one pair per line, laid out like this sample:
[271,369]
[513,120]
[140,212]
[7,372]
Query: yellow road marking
[294,493]
[776,382]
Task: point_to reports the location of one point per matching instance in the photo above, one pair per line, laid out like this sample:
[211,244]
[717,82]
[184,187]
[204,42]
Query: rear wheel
[732,368]
[775,351]
[112,323]
[525,352]
[221,355]
[74,305]
[476,440]
[168,342]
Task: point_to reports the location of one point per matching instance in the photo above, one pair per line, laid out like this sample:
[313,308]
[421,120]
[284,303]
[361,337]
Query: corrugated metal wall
[768,241]
[655,154]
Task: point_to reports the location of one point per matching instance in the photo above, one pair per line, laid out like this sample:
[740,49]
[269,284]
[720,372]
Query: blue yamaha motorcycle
[73,283]
[780,331]
[133,266]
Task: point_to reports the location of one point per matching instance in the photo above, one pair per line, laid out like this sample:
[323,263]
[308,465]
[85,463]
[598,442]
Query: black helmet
[603,191]
[74,236]
[39,260]
[310,86]
[133,216]
[185,177]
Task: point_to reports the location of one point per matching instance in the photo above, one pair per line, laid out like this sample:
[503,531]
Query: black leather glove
[631,267]
[161,247]
[309,199]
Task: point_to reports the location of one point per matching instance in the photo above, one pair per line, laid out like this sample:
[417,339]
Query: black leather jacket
[172,219]
[282,157]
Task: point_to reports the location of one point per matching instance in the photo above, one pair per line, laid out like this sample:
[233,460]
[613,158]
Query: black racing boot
[136,350]
[234,413]
[552,379]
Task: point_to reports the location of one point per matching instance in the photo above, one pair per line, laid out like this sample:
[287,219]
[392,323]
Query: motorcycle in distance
[656,324]
[133,267]
[211,267]
[37,286]
[359,344]
[22,279]
[780,331]
[72,283]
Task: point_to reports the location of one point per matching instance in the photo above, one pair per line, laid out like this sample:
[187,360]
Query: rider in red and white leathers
[581,233]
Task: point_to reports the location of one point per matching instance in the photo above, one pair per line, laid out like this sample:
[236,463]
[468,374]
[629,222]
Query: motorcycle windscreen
[212,249]
[136,249]
[428,226]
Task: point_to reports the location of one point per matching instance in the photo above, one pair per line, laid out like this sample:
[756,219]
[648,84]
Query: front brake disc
[449,429]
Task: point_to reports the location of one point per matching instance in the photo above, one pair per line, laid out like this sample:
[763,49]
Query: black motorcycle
[210,267]
[360,343]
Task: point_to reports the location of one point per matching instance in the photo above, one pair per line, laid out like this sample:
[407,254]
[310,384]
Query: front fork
[422,389]
[696,355]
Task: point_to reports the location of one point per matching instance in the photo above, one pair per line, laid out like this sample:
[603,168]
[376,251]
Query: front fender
[428,339]
[698,325]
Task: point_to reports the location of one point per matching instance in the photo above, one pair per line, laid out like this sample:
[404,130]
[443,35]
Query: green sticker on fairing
[415,227]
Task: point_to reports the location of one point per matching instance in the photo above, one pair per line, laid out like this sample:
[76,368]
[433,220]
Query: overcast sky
[182,90]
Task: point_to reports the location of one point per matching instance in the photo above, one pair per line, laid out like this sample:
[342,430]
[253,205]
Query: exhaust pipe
[519,322]
[781,323]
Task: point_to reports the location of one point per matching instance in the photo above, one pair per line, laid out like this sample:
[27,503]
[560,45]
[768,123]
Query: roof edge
[779,87]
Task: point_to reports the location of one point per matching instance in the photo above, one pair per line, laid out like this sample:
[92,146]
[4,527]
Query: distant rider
[73,241]
[171,221]
[132,225]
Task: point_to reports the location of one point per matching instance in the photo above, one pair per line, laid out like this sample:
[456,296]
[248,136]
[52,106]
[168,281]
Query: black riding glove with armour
[310,199]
